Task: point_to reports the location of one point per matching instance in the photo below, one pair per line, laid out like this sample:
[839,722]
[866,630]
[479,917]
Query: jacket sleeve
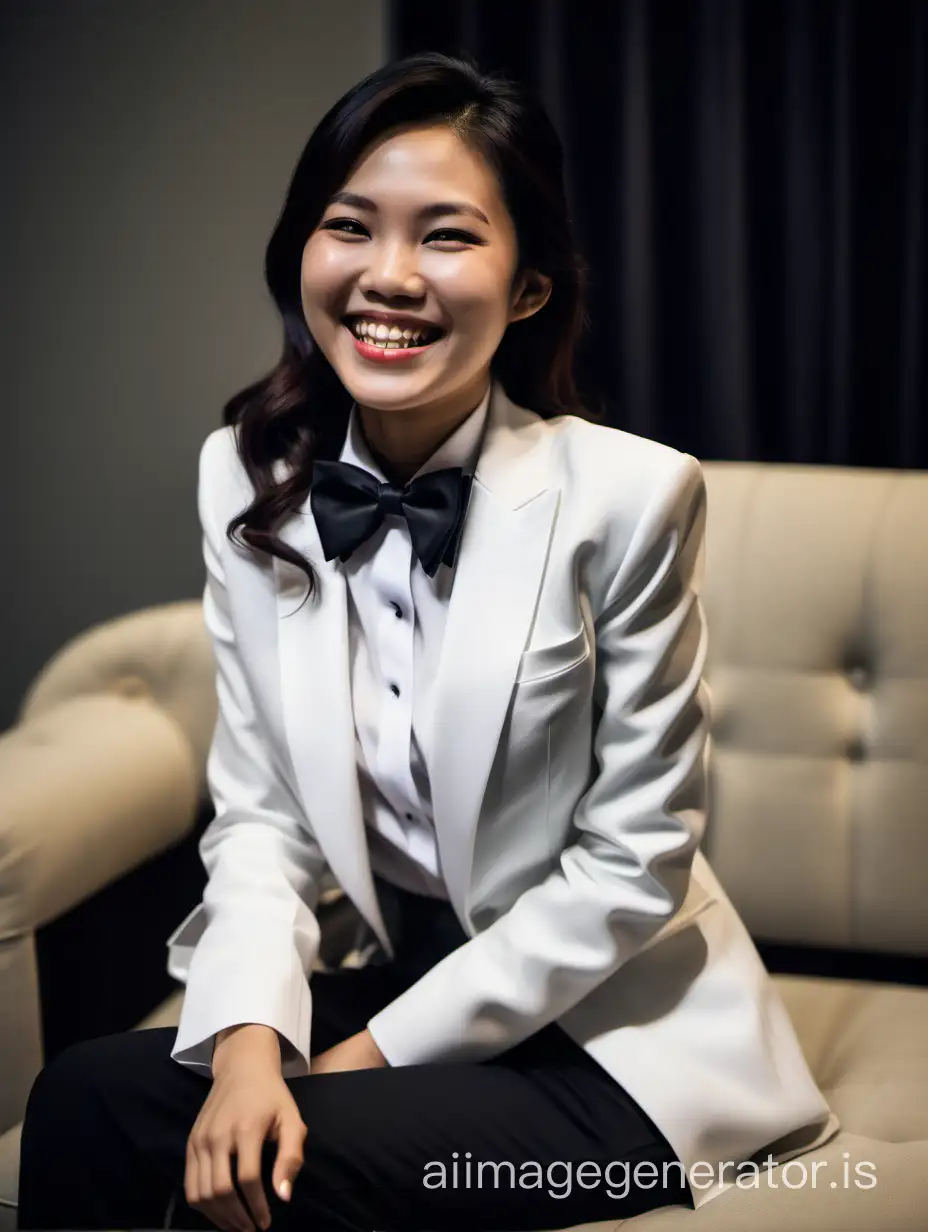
[246,951]
[638,824]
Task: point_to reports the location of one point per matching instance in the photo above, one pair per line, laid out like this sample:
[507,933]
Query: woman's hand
[248,1102]
[357,1052]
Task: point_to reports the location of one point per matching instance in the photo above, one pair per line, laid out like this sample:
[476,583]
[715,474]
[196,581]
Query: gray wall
[146,151]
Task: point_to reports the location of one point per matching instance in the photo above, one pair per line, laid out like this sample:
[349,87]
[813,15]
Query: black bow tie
[349,504]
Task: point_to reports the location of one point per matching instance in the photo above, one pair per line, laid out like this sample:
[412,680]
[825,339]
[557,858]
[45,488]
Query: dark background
[747,183]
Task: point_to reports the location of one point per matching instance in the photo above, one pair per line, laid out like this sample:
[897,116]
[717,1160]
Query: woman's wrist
[254,1040]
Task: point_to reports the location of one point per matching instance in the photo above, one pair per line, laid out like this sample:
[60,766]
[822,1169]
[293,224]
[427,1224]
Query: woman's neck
[400,441]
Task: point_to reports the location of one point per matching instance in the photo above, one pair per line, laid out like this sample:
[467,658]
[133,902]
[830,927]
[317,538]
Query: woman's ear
[532,291]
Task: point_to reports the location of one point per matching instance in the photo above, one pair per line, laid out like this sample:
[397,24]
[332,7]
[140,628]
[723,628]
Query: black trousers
[469,1146]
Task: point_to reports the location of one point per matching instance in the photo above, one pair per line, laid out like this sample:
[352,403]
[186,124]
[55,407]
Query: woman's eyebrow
[435,210]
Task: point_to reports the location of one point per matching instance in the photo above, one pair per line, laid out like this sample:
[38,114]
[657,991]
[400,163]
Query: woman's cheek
[326,266]
[475,293]
[471,305]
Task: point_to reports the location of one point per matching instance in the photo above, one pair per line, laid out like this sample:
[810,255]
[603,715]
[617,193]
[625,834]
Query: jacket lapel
[318,720]
[497,578]
[498,574]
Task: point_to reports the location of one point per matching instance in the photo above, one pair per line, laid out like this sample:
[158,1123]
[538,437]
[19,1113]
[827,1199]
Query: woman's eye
[450,234]
[342,224]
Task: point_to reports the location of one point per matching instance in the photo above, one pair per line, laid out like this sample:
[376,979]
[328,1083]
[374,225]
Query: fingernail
[284,1190]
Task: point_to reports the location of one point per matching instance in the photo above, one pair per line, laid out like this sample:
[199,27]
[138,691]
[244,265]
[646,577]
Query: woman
[561,1017]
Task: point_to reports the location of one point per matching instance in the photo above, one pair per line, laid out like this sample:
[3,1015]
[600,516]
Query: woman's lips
[388,355]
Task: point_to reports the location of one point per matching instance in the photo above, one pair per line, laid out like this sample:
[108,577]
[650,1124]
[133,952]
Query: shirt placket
[396,643]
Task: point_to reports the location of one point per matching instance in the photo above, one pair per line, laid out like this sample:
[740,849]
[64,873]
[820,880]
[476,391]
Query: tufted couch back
[816,593]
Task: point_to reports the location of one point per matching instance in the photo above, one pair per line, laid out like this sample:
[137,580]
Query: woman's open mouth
[379,341]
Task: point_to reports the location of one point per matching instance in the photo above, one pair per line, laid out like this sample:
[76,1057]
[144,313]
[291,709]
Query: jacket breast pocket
[544,661]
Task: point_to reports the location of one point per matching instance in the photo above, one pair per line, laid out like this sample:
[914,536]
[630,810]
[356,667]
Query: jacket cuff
[237,996]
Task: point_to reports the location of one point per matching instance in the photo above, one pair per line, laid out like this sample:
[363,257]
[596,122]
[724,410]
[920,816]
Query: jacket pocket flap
[550,660]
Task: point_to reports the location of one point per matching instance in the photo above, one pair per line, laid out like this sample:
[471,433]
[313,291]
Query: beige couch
[817,596]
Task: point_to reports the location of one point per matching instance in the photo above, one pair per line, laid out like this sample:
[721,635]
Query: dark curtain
[747,183]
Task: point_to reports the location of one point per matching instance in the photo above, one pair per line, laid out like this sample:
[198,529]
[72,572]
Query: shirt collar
[462,448]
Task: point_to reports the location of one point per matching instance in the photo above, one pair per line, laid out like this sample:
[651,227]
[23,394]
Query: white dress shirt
[396,623]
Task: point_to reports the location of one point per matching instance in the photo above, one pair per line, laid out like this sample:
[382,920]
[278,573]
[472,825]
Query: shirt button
[409,816]
[395,690]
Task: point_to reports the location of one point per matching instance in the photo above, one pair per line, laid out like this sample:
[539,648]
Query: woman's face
[418,238]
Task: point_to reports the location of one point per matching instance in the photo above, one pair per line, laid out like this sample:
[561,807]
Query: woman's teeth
[391,336]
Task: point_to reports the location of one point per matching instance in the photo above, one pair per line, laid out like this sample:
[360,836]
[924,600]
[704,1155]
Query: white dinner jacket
[568,768]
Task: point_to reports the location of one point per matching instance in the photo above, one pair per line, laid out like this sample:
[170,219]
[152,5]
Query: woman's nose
[392,269]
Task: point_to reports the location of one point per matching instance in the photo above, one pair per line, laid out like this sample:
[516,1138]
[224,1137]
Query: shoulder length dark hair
[299,412]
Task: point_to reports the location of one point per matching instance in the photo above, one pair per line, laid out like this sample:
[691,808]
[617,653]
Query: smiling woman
[492,730]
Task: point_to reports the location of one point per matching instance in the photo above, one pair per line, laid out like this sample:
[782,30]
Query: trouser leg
[445,1146]
[103,1135]
[464,1147]
[106,1125]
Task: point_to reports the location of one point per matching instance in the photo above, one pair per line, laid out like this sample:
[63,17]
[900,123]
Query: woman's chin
[387,391]
[395,400]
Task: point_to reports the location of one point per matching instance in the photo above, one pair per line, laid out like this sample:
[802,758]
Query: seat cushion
[898,1202]
[865,1044]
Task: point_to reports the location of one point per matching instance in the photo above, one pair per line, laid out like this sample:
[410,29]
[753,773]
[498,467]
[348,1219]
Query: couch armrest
[88,791]
[104,770]
[161,653]
[106,765]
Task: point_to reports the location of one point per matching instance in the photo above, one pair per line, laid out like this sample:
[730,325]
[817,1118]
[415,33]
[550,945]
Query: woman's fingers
[225,1208]
[248,1172]
[208,1188]
[205,1176]
[290,1138]
[192,1176]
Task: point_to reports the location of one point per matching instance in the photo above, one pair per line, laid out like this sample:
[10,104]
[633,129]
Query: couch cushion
[898,1202]
[865,1044]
